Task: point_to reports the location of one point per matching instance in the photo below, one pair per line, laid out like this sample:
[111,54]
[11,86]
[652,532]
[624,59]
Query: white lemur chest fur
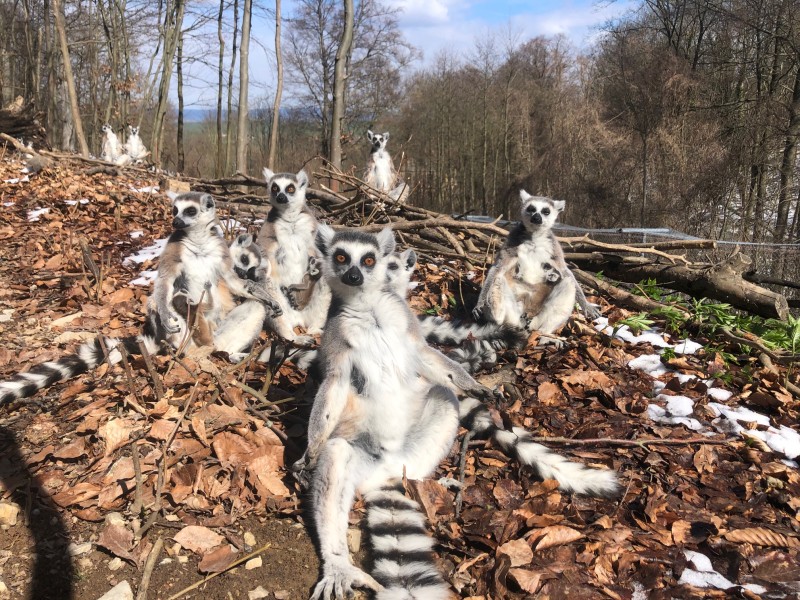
[532,254]
[294,243]
[381,170]
[203,258]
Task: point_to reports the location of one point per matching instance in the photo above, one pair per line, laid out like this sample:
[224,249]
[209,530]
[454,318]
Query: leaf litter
[696,520]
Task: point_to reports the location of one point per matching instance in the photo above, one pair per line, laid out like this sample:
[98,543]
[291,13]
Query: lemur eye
[531,209]
[275,188]
[290,189]
[340,258]
[546,211]
[368,261]
[174,211]
[190,212]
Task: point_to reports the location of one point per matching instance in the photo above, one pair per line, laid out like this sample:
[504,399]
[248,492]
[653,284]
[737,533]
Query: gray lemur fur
[287,241]
[530,286]
[195,281]
[385,410]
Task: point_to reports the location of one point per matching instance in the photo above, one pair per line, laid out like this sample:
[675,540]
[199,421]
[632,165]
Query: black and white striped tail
[88,356]
[402,550]
[517,443]
[448,333]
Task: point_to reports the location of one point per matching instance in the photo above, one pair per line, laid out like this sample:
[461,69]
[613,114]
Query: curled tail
[402,550]
[517,442]
[447,333]
[41,376]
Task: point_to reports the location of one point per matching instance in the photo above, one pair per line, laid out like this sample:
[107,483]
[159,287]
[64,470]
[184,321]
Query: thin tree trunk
[218,167]
[173,28]
[179,138]
[339,80]
[276,106]
[788,162]
[242,130]
[229,125]
[58,14]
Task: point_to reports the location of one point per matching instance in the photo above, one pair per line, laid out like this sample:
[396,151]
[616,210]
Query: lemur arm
[590,310]
[162,296]
[438,368]
[490,288]
[251,290]
[329,405]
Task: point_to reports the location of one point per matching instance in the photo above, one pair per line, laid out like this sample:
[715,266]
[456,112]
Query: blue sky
[436,25]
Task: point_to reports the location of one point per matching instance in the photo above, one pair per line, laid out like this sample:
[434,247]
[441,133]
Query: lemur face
[286,191]
[106,129]
[539,212]
[192,209]
[353,259]
[246,257]
[133,130]
[399,269]
[378,140]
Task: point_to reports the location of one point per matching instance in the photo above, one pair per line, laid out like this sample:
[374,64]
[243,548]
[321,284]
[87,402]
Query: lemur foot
[546,340]
[339,581]
[478,313]
[450,483]
[592,312]
[303,341]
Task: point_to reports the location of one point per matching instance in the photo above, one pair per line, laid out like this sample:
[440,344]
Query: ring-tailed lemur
[195,275]
[247,260]
[287,242]
[133,145]
[112,149]
[385,410]
[530,286]
[380,173]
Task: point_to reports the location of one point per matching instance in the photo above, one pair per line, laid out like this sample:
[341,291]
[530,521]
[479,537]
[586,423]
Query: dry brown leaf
[518,552]
[116,433]
[761,536]
[555,535]
[76,448]
[549,394]
[217,560]
[198,539]
[118,540]
[528,581]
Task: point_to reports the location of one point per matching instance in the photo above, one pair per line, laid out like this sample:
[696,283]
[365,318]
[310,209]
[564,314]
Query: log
[22,121]
[723,282]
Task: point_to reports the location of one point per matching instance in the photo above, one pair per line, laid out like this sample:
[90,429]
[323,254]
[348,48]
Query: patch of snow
[137,234]
[24,170]
[783,440]
[704,576]
[17,180]
[146,253]
[74,202]
[148,189]
[687,346]
[145,278]
[678,406]
[412,285]
[470,275]
[661,415]
[258,221]
[8,204]
[34,215]
[650,364]
[738,414]
[719,394]
[639,592]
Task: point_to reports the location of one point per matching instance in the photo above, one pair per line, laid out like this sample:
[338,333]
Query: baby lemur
[287,242]
[385,409]
[195,285]
[530,286]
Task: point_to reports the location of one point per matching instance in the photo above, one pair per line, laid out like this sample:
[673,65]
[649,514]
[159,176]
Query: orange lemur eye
[290,189]
[369,261]
[340,258]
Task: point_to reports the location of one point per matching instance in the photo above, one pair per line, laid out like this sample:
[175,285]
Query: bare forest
[683,114]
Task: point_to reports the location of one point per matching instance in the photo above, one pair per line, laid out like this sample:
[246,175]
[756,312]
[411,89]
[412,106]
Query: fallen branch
[648,442]
[141,593]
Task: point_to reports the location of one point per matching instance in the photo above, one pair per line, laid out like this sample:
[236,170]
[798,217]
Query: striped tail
[402,550]
[88,356]
[447,333]
[474,355]
[517,443]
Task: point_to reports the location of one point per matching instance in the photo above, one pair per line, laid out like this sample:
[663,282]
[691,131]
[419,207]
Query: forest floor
[98,472]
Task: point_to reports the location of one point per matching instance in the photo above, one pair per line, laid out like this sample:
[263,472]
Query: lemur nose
[537,218]
[353,276]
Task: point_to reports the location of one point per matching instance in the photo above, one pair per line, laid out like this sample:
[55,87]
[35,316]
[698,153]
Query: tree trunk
[276,106]
[229,124]
[58,14]
[218,166]
[174,20]
[339,80]
[788,161]
[242,130]
[181,167]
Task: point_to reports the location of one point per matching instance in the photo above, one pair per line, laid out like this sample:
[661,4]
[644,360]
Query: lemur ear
[370,135]
[268,174]
[386,241]
[524,196]
[324,238]
[559,205]
[207,200]
[386,136]
[409,257]
[302,179]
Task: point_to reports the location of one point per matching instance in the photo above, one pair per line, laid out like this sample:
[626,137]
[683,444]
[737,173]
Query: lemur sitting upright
[287,243]
[380,172]
[112,149]
[384,410]
[195,281]
[134,147]
[530,286]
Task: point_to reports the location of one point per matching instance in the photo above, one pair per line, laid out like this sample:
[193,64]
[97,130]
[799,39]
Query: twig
[748,339]
[235,563]
[462,469]
[616,442]
[136,404]
[141,593]
[138,504]
[157,387]
[626,248]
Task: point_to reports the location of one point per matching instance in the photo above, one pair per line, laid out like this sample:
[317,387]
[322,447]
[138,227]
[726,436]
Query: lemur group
[388,405]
